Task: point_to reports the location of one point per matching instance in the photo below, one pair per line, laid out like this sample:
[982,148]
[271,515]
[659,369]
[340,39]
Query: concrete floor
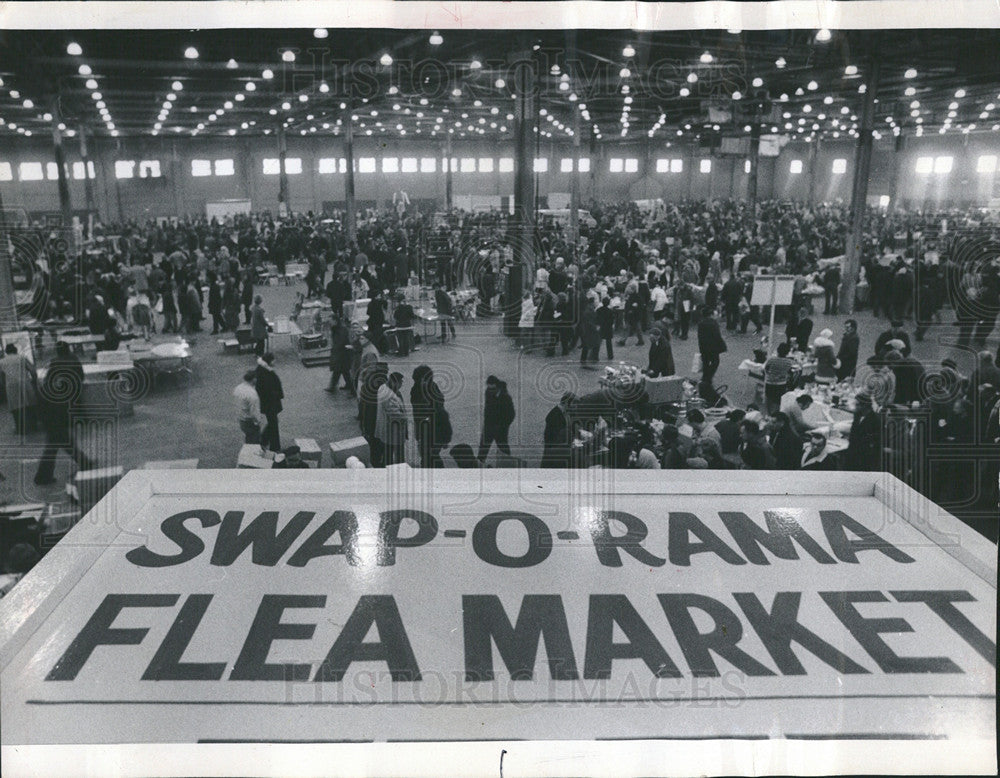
[197,419]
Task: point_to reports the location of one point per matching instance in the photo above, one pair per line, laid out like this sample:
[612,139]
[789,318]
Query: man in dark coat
[661,355]
[732,292]
[498,415]
[340,356]
[58,398]
[785,442]
[895,332]
[558,433]
[606,326]
[590,334]
[339,291]
[848,353]
[710,344]
[831,289]
[865,449]
[271,394]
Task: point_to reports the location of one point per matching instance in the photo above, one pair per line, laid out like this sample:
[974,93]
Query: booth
[436,622]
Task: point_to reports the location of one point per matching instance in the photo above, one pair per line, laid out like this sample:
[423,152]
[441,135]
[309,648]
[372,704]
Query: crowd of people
[670,271]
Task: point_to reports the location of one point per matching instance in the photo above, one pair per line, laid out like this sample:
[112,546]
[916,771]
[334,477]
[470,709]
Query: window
[676,165]
[390,164]
[631,165]
[486,164]
[51,171]
[796,167]
[616,165]
[293,165]
[883,201]
[446,165]
[662,165]
[584,164]
[271,167]
[566,165]
[943,164]
[30,171]
[224,167]
[428,164]
[746,166]
[468,165]
[925,165]
[541,165]
[408,164]
[366,165]
[124,168]
[6,172]
[839,166]
[150,168]
[78,170]
[506,165]
[987,164]
[203,167]
[705,166]
[327,165]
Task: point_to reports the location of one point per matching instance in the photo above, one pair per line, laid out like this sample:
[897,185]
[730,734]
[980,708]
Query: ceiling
[395,83]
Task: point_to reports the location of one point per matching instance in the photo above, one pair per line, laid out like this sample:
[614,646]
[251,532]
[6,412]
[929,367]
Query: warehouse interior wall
[178,192]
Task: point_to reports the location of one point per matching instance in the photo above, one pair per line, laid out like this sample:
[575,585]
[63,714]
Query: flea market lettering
[491,632]
[687,537]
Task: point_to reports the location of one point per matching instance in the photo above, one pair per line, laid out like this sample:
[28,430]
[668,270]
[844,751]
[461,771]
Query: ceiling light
[624,73]
[320,33]
[288,56]
[286,106]
[84,70]
[231,64]
[910,73]
[170,97]
[268,74]
[91,84]
[909,91]
[812,86]
[251,86]
[684,91]
[193,109]
[823,35]
[705,58]
[435,39]
[737,95]
[191,53]
[475,64]
[456,92]
[758,82]
[851,70]
[74,49]
[692,78]
[386,60]
[780,62]
[960,94]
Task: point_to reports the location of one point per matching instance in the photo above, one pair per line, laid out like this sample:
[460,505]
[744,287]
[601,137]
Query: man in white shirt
[658,296]
[248,407]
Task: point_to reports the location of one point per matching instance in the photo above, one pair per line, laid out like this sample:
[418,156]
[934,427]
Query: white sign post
[772,291]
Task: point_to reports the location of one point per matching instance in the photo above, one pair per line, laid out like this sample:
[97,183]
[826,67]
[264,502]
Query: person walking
[169,307]
[368,393]
[558,433]
[340,356]
[498,415]
[258,326]
[431,425]
[215,287]
[248,407]
[445,308]
[390,420]
[271,394]
[710,344]
[590,334]
[21,383]
[58,398]
[606,326]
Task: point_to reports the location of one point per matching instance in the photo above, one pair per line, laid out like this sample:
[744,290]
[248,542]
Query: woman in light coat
[21,382]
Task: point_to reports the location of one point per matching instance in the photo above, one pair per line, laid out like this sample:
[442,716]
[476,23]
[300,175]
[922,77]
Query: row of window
[200,168]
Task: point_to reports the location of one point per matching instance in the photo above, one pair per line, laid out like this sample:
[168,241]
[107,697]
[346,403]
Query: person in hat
[270,392]
[826,358]
[865,450]
[816,455]
[661,355]
[785,442]
[847,355]
[895,332]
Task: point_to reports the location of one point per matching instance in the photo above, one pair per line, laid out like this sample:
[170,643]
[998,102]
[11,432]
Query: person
[675,454]
[816,455]
[215,286]
[895,332]
[464,457]
[909,374]
[785,442]
[498,415]
[633,314]
[58,399]
[445,307]
[777,377]
[525,324]
[21,382]
[558,433]
[661,356]
[368,391]
[169,307]
[339,291]
[706,443]
[340,357]
[755,451]
[270,392]
[847,355]
[290,459]
[826,360]
[368,357]
[191,310]
[590,334]
[141,315]
[710,344]
[732,293]
[794,406]
[799,329]
[248,407]
[230,305]
[431,425]
[258,326]
[729,435]
[985,373]
[831,289]
[865,450]
[21,558]
[376,320]
[403,317]
[606,326]
[390,422]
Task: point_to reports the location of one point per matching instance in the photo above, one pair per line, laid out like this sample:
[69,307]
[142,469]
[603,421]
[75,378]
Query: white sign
[348,605]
